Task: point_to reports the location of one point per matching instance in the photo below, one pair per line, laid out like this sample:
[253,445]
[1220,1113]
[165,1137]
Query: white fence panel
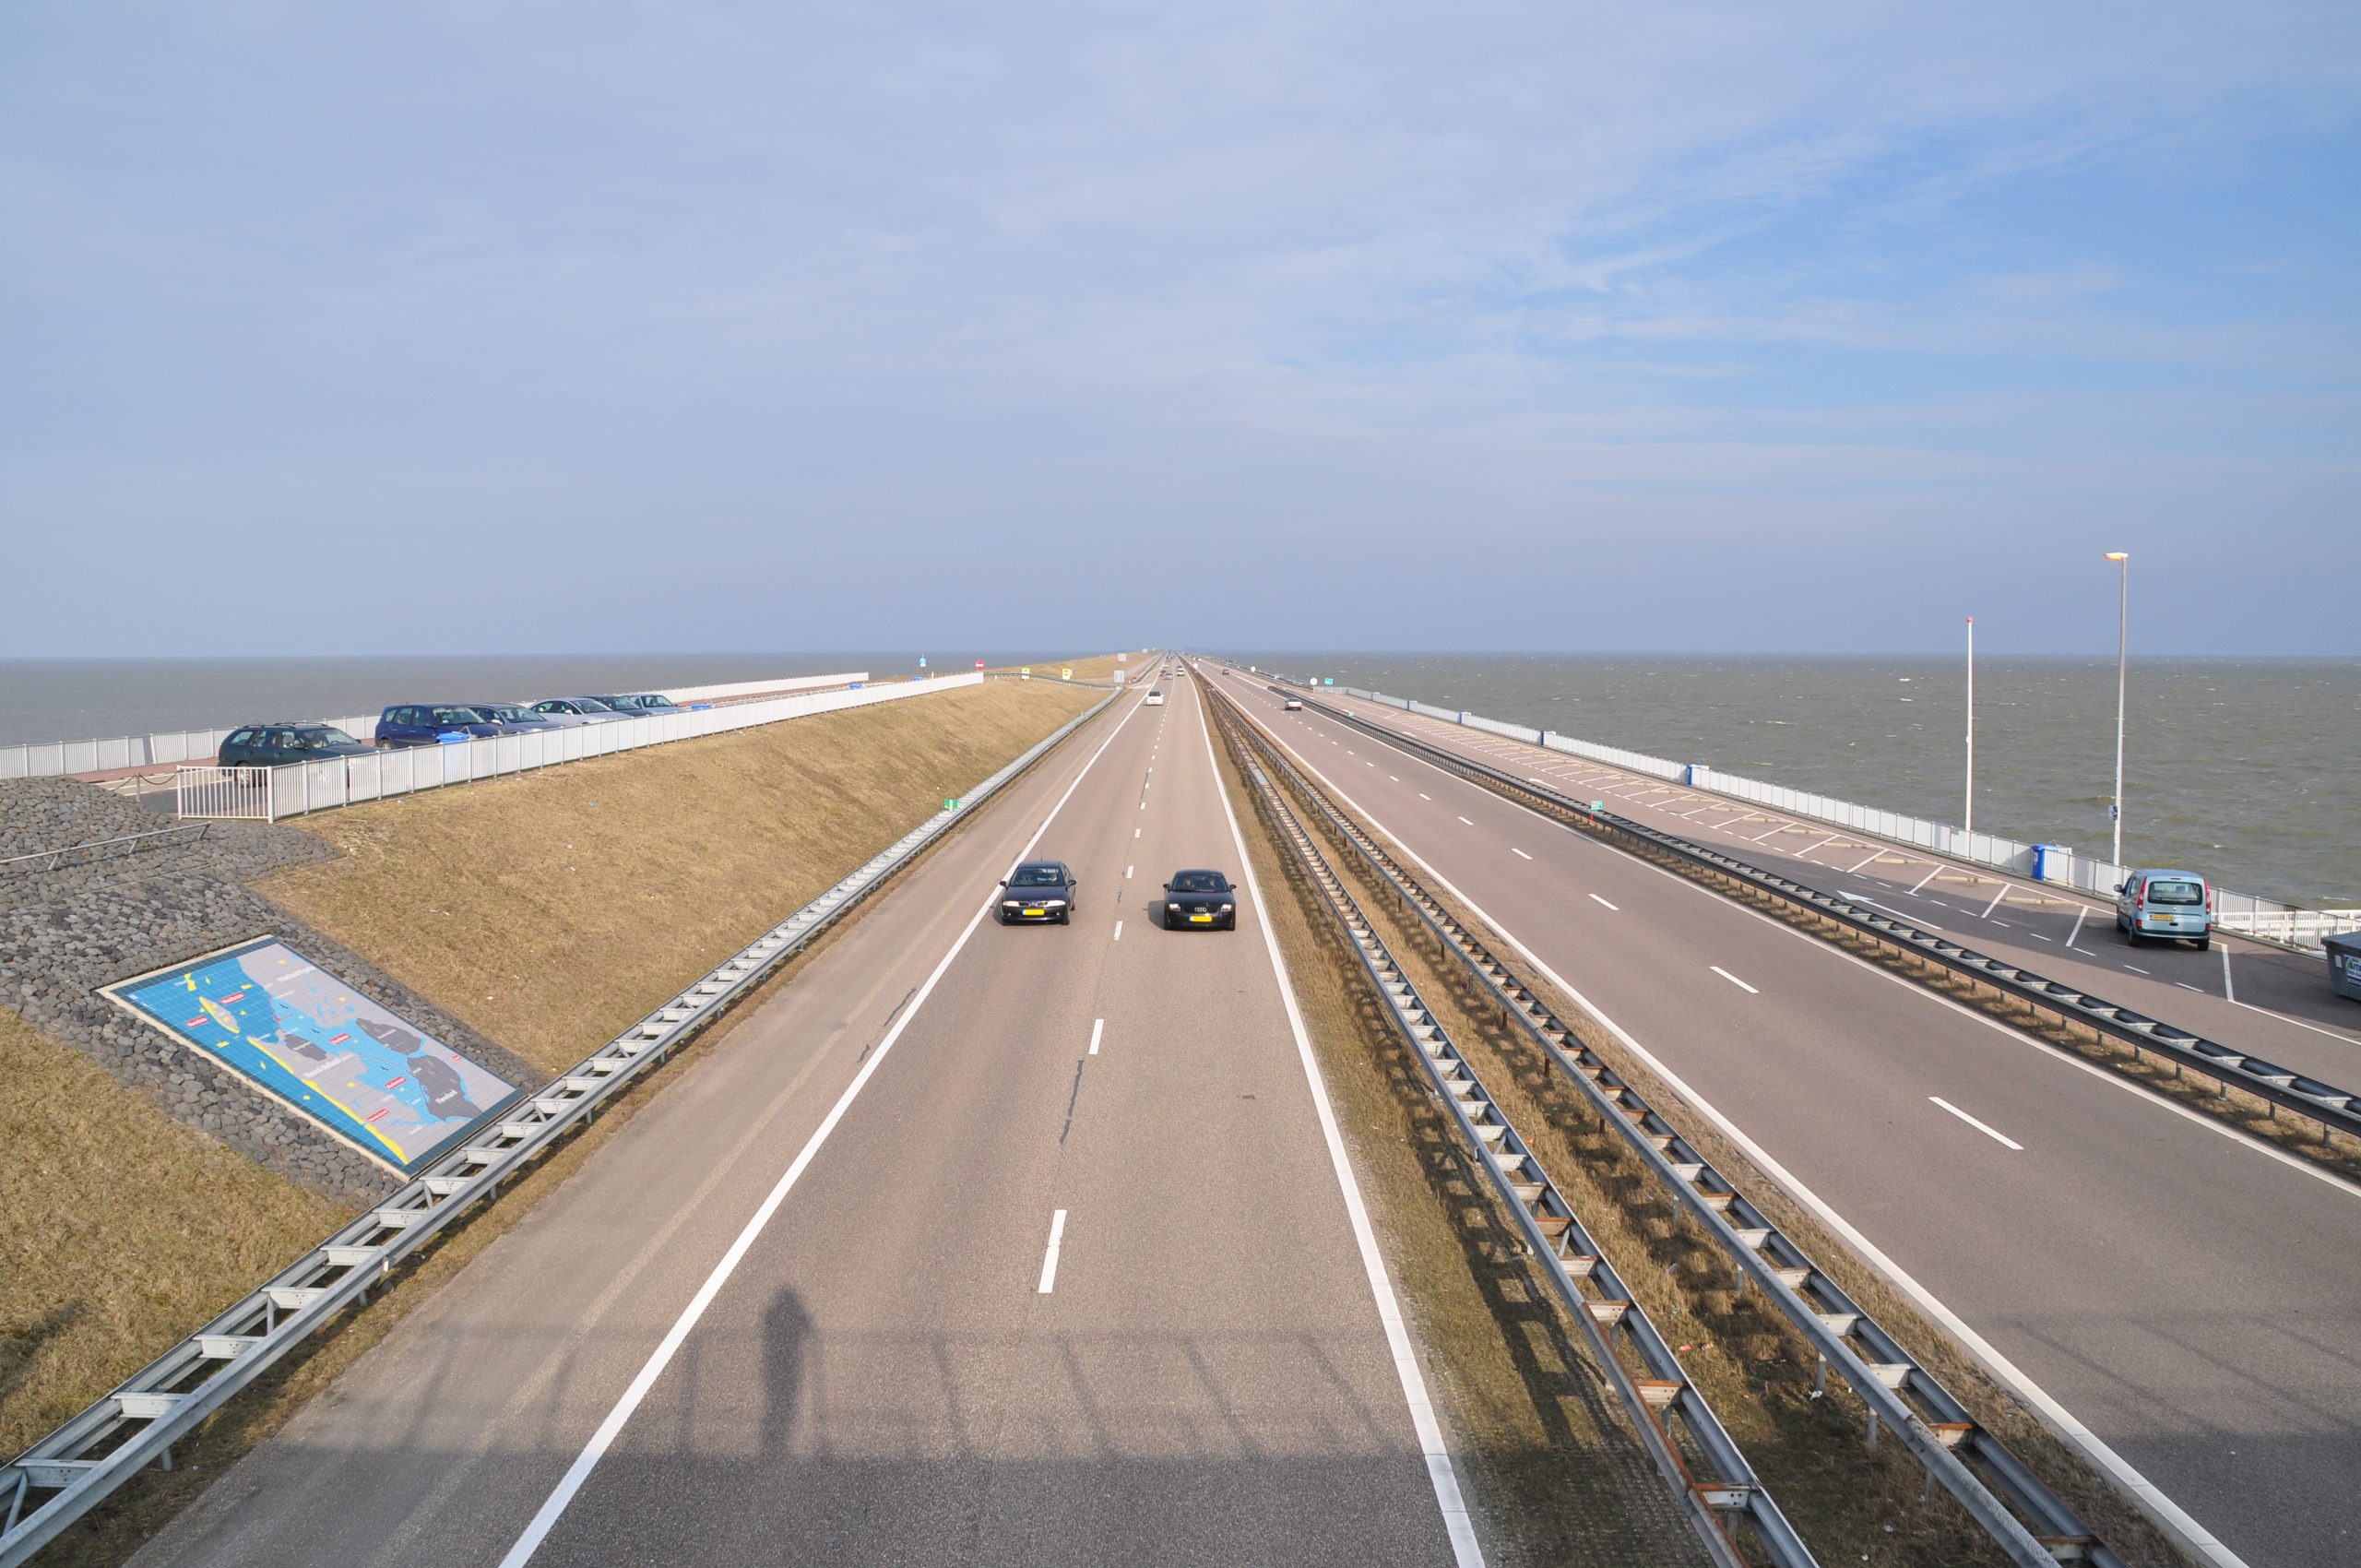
[237,794]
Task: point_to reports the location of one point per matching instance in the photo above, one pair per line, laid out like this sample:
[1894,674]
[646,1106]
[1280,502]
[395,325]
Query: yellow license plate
[1034,911]
[1201,919]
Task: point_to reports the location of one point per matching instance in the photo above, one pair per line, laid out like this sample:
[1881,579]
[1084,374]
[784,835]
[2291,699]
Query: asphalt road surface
[1071,1276]
[2191,1299]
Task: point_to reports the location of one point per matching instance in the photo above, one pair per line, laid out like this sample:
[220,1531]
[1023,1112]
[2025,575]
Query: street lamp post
[2122,558]
[1967,823]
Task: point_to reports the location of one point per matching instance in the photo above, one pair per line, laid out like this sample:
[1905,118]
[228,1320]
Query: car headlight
[1227,908]
[1052,904]
[1172,906]
[1009,903]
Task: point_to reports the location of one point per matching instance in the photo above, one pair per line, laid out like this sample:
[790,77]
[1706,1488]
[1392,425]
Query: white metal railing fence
[301,786]
[50,759]
[2247,912]
[236,794]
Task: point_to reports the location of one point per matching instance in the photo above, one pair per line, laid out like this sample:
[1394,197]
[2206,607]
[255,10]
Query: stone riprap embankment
[65,932]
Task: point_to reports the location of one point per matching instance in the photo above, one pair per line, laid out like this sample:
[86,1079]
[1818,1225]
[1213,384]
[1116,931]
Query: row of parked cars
[437,723]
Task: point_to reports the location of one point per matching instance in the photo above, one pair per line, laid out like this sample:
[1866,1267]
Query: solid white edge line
[1097,1028]
[1050,1258]
[1733,980]
[1996,1137]
[537,1530]
[2152,1498]
[1441,1473]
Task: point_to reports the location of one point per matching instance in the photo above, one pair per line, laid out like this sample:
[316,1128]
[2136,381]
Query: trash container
[2345,964]
[2050,863]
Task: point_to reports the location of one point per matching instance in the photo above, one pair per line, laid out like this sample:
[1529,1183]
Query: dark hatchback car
[274,745]
[1200,899]
[1038,890]
[433,723]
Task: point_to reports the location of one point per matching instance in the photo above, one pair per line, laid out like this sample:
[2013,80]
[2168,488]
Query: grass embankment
[1100,667]
[1549,1463]
[1852,1502]
[550,909]
[121,1231]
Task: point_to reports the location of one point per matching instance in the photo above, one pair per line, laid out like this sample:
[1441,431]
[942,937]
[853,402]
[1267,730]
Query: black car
[1200,899]
[272,745]
[1037,890]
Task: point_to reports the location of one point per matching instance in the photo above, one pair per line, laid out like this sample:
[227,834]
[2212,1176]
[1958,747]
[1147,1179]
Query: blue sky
[513,328]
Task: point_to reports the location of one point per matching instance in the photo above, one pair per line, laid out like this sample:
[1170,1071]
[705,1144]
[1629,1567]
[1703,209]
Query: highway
[2190,1298]
[971,1243]
[2249,994]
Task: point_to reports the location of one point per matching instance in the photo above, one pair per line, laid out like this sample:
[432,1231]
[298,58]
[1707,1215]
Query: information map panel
[366,1074]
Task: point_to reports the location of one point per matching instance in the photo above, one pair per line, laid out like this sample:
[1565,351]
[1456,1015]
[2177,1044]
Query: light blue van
[2176,904]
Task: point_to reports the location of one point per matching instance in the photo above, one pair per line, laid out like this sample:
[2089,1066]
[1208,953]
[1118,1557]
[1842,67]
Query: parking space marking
[1926,879]
[1596,899]
[1734,980]
[1995,1137]
[1469,824]
[1519,853]
[2005,891]
[2080,910]
[1865,860]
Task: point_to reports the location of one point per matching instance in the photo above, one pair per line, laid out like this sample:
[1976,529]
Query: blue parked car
[434,723]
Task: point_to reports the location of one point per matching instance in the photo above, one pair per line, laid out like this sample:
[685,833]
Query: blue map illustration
[298,1031]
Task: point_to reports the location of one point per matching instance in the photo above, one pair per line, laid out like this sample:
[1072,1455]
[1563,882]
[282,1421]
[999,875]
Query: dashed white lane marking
[1995,1137]
[1519,853]
[2186,986]
[1424,796]
[1050,1258]
[1136,832]
[1119,931]
[2135,968]
[1469,824]
[2038,937]
[1396,777]
[1127,873]
[1734,980]
[1596,899]
[1097,1027]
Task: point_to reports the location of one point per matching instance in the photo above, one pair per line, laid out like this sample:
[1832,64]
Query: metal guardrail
[2279,1087]
[1660,1394]
[1970,1462]
[131,844]
[59,1478]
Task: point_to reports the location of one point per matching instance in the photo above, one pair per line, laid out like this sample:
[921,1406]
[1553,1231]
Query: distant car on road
[274,745]
[1155,699]
[639,705]
[1038,890]
[1200,898]
[1293,704]
[588,708]
[2172,904]
[434,723]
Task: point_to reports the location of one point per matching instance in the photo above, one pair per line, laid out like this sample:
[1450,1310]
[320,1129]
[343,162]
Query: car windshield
[2176,893]
[457,715]
[1199,882]
[591,704]
[1038,876]
[501,713]
[327,739]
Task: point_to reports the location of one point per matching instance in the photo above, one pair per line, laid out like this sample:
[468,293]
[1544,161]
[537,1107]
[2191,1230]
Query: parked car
[1293,704]
[1200,898]
[520,720]
[1038,890]
[2173,904]
[639,705]
[588,708]
[272,745]
[433,723]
